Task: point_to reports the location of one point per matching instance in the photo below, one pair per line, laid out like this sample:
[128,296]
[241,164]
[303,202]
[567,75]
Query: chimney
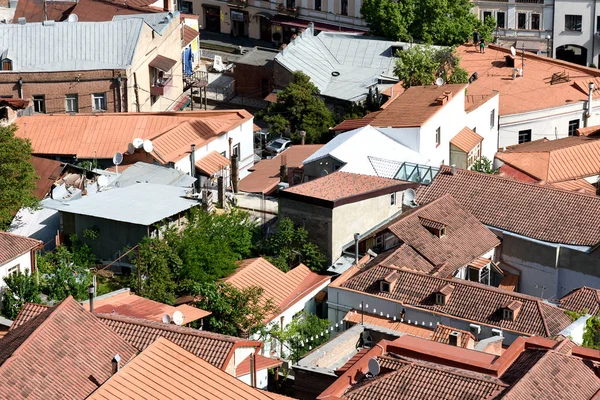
[91,295]
[589,103]
[252,371]
[21,21]
[302,136]
[453,338]
[283,169]
[311,28]
[356,237]
[116,364]
[453,169]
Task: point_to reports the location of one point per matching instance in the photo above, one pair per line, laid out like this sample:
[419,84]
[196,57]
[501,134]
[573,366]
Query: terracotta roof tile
[105,10]
[536,211]
[13,246]
[344,185]
[28,311]
[415,289]
[442,333]
[465,240]
[264,175]
[414,107]
[283,288]
[189,34]
[466,139]
[582,299]
[261,363]
[33,10]
[357,317]
[557,160]
[534,91]
[404,257]
[212,163]
[54,355]
[167,371]
[577,185]
[350,124]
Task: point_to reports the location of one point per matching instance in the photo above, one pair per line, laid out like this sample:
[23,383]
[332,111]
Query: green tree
[484,165]
[301,335]
[591,334]
[459,75]
[388,18]
[486,30]
[17,175]
[20,288]
[234,312]
[422,65]
[299,108]
[289,246]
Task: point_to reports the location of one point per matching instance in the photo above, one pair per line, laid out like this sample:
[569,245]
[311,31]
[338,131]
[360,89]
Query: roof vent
[511,310]
[21,20]
[443,295]
[386,285]
[49,22]
[436,228]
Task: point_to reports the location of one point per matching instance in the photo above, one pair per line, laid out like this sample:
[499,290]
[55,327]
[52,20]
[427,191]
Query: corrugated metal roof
[157,21]
[150,173]
[67,46]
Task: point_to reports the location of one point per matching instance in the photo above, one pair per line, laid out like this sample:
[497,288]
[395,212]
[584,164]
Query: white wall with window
[99,102]
[72,103]
[575,38]
[20,264]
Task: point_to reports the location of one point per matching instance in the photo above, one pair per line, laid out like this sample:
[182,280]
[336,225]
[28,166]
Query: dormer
[443,295]
[7,60]
[436,228]
[387,284]
[510,311]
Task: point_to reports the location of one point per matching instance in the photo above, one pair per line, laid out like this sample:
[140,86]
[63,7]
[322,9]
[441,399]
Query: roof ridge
[539,306]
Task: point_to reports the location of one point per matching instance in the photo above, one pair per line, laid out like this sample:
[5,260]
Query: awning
[163,63]
[264,15]
[212,163]
[300,23]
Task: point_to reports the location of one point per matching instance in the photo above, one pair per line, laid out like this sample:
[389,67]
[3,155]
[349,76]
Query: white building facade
[576,31]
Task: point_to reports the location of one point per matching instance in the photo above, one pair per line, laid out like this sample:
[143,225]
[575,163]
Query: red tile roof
[212,163]
[105,10]
[466,139]
[131,305]
[33,10]
[350,124]
[166,371]
[341,188]
[414,107]
[261,363]
[48,171]
[102,135]
[13,246]
[358,317]
[264,175]
[283,288]
[582,299]
[577,185]
[557,160]
[469,300]
[442,333]
[535,211]
[28,311]
[64,352]
[466,238]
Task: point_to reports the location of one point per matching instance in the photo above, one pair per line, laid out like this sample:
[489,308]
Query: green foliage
[422,65]
[17,175]
[575,315]
[289,246]
[234,311]
[300,336]
[441,22]
[299,108]
[486,30]
[484,165]
[592,65]
[591,334]
[20,288]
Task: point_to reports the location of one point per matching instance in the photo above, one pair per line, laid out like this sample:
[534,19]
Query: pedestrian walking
[475,38]
[482,46]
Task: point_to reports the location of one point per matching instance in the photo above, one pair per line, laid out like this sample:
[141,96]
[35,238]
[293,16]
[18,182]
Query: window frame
[39,99]
[15,269]
[393,199]
[74,97]
[539,22]
[438,136]
[10,64]
[440,299]
[525,132]
[574,123]
[507,314]
[235,151]
[385,287]
[344,7]
[517,21]
[503,26]
[101,96]
[573,22]
[318,5]
[492,118]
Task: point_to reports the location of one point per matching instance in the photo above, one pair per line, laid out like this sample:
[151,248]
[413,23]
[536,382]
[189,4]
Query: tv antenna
[117,159]
[374,367]
[439,81]
[409,198]
[178,317]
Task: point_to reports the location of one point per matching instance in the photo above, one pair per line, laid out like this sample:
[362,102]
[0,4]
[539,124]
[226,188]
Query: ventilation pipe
[91,295]
[193,165]
[252,371]
[588,114]
[356,237]
[116,364]
[453,169]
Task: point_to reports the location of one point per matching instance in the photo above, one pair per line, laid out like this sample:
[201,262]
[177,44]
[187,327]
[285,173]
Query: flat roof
[139,204]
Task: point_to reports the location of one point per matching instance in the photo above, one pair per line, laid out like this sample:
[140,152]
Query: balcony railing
[530,1]
[288,11]
[237,3]
[158,88]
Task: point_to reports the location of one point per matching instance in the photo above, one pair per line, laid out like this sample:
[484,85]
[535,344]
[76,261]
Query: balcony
[237,3]
[529,1]
[288,11]
[158,88]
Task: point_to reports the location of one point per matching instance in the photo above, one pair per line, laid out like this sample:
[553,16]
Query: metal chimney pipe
[356,237]
[91,295]
[252,371]
[193,167]
[589,103]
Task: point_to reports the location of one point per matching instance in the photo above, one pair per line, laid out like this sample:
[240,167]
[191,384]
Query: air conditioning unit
[475,329]
[496,332]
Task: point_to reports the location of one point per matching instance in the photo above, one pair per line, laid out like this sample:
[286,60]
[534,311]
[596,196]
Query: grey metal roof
[140,204]
[142,172]
[157,21]
[258,56]
[359,60]
[70,46]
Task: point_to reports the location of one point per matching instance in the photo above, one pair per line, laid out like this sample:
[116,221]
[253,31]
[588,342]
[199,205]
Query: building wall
[249,79]
[151,44]
[56,85]
[321,167]
[24,263]
[589,11]
[239,355]
[262,379]
[479,120]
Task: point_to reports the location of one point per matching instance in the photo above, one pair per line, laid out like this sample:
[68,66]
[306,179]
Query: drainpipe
[594,32]
[119,79]
[20,82]
[356,237]
[193,164]
[588,114]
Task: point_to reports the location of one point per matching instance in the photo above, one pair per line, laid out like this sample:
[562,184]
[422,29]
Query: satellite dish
[117,158]
[148,147]
[138,143]
[409,197]
[513,51]
[102,181]
[130,148]
[73,18]
[374,368]
[178,317]
[439,81]
[166,319]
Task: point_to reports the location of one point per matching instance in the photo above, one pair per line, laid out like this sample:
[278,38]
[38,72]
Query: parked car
[278,145]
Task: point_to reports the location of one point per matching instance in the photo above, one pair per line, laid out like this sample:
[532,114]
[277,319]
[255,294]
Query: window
[487,14]
[440,299]
[337,166]
[318,5]
[598,23]
[224,154]
[99,102]
[507,314]
[525,136]
[39,103]
[442,232]
[521,21]
[500,18]
[344,7]
[236,151]
[492,118]
[71,103]
[187,7]
[573,23]
[379,242]
[6,65]
[573,126]
[384,287]
[535,22]
[438,136]
[393,199]
[14,270]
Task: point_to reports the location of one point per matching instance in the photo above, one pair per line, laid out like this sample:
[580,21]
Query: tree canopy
[299,108]
[20,288]
[422,65]
[17,175]
[441,22]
